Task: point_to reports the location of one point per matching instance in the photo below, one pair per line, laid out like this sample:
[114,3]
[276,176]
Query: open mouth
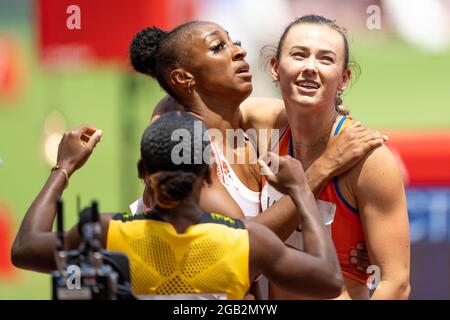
[245,68]
[308,85]
[244,71]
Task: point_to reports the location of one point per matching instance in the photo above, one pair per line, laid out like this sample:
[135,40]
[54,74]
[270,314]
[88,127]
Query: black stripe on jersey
[126,217]
[219,219]
[206,218]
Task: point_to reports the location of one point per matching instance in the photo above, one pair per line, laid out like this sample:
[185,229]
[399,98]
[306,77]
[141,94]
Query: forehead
[202,30]
[312,36]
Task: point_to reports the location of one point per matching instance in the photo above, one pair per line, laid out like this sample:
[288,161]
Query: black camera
[90,272]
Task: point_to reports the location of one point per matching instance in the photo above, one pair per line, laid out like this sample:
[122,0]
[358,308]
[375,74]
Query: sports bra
[248,200]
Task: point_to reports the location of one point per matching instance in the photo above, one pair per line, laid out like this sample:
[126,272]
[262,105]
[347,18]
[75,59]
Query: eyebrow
[307,49]
[215,33]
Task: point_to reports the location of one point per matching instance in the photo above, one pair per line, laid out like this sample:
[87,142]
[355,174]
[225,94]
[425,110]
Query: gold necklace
[323,138]
[318,142]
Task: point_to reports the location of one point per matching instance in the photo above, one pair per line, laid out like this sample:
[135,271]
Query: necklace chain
[322,139]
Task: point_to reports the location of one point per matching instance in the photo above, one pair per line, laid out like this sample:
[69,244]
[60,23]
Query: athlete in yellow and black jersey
[176,247]
[211,256]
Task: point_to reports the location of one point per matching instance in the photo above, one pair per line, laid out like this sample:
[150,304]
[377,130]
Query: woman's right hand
[285,173]
[76,146]
[346,149]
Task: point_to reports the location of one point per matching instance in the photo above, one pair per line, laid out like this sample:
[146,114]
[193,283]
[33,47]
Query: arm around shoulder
[262,113]
[166,104]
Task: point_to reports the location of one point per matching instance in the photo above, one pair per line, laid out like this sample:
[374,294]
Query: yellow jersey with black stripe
[211,256]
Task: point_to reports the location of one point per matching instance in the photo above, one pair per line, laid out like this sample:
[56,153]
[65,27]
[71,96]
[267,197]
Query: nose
[238,52]
[310,66]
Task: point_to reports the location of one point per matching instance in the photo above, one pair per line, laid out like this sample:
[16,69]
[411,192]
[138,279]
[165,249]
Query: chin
[310,101]
[246,89]
[305,100]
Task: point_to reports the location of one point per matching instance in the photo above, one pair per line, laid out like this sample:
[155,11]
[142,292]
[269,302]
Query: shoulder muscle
[262,113]
[166,104]
[380,178]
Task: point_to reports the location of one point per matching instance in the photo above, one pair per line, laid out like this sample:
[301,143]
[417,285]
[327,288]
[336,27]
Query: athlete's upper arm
[259,118]
[216,198]
[381,200]
[165,105]
[266,113]
[290,269]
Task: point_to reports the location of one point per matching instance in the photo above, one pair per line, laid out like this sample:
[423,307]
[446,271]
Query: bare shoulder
[261,235]
[254,227]
[263,113]
[377,176]
[379,164]
[166,104]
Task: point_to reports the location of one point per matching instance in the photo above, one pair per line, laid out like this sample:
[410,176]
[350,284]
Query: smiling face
[215,64]
[311,66]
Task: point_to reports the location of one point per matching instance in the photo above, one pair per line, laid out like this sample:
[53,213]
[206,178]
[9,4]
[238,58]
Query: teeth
[308,84]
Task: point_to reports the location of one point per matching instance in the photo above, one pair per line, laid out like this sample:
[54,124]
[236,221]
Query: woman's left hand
[359,257]
[76,146]
[348,148]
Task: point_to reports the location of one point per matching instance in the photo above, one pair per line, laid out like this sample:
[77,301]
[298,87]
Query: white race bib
[269,195]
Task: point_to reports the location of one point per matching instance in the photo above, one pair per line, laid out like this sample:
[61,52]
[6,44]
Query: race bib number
[327,210]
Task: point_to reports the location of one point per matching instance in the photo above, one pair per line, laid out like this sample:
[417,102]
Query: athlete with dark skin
[199,65]
[315,271]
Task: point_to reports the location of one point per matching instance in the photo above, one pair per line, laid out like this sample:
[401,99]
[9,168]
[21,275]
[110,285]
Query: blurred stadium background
[404,89]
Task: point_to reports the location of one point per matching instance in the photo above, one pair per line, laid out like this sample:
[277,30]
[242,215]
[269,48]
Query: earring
[189,88]
[276,82]
[339,94]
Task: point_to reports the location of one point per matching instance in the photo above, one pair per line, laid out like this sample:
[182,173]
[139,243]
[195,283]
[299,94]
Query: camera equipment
[89,273]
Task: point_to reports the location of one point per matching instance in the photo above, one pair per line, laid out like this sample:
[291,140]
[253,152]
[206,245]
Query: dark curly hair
[175,159]
[154,51]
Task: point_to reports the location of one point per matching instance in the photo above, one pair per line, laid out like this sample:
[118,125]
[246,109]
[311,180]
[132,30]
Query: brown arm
[35,242]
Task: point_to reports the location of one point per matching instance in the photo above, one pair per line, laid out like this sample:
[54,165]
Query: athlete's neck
[310,130]
[182,216]
[219,114]
[216,115]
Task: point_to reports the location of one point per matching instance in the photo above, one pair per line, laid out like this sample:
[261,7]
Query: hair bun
[169,188]
[144,50]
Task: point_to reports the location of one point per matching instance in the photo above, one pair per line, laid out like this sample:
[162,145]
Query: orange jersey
[341,218]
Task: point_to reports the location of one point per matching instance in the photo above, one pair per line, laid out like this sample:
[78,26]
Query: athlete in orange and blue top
[312,66]
[346,228]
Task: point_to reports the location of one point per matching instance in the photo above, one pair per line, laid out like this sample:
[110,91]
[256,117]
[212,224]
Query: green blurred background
[95,96]
[400,87]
